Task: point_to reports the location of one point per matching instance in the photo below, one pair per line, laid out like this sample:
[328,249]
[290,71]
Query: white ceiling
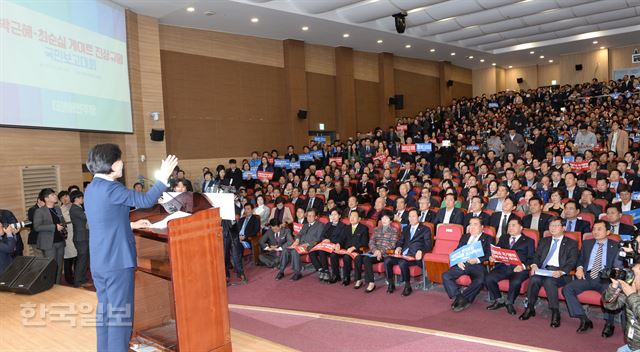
[500,31]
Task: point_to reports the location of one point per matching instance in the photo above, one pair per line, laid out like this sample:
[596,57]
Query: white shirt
[535,222]
[626,207]
[555,258]
[614,141]
[499,231]
[473,238]
[447,216]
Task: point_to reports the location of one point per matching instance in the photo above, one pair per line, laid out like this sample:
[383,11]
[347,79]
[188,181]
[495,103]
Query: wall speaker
[449,83]
[302,114]
[157,135]
[29,275]
[398,101]
[579,67]
[520,80]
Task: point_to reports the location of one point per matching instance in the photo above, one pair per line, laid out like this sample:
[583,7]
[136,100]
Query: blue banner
[306,157]
[473,147]
[635,213]
[253,173]
[465,253]
[320,139]
[317,154]
[281,163]
[254,163]
[635,196]
[293,165]
[568,159]
[424,147]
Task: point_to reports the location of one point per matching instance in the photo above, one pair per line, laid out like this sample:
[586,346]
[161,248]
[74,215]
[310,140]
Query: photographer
[7,244]
[50,225]
[621,293]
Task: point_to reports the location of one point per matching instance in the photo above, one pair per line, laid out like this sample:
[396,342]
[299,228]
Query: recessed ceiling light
[550,61]
[379,41]
[602,47]
[305,28]
[346,35]
[255,20]
[493,64]
[510,66]
[408,46]
[542,56]
[532,52]
[481,60]
[453,54]
[432,50]
[470,56]
[595,42]
[191,9]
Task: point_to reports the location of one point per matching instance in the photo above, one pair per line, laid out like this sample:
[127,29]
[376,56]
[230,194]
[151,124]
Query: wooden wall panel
[461,74]
[367,112]
[423,67]
[419,92]
[365,66]
[320,59]
[548,73]
[484,81]
[621,58]
[595,64]
[321,93]
[460,90]
[500,79]
[529,74]
[217,107]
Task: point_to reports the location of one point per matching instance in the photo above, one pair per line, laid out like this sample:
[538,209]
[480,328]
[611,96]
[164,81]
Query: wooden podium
[180,293]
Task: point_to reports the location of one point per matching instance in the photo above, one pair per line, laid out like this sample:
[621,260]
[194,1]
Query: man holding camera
[597,256]
[624,293]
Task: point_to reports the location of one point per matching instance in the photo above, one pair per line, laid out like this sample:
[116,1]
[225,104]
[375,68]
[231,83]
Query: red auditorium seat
[437,262]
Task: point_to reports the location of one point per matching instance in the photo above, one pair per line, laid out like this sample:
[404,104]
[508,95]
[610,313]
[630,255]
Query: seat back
[396,225]
[445,231]
[627,219]
[533,234]
[323,219]
[432,228]
[588,217]
[370,224]
[446,241]
[490,230]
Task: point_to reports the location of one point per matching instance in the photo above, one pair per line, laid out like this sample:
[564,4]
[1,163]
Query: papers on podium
[224,201]
[162,224]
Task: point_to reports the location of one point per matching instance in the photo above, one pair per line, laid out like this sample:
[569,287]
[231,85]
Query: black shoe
[391,288]
[346,282]
[280,275]
[555,318]
[358,284]
[510,309]
[528,313]
[463,304]
[456,301]
[496,305]
[608,330]
[407,290]
[296,277]
[585,325]
[320,274]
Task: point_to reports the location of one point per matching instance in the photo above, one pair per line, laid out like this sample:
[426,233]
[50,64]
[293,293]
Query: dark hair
[536,199]
[44,193]
[606,224]
[279,200]
[73,187]
[101,157]
[75,195]
[62,194]
[208,173]
[274,222]
[516,219]
[232,161]
[554,218]
[138,183]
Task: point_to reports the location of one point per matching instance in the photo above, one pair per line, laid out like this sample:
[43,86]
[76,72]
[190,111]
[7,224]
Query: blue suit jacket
[107,203]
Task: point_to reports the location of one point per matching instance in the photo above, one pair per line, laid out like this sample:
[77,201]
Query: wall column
[446,92]
[296,91]
[345,93]
[386,90]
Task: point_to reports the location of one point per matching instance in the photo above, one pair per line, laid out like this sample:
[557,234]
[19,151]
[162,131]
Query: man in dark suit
[449,214]
[352,206]
[414,242]
[536,220]
[525,248]
[472,267]
[234,174]
[626,203]
[364,190]
[426,215]
[500,219]
[339,195]
[572,223]
[274,241]
[248,225]
[111,246]
[475,211]
[495,204]
[80,238]
[401,215]
[597,255]
[356,237]
[559,255]
[308,237]
[615,226]
[296,200]
[570,189]
[313,202]
[405,172]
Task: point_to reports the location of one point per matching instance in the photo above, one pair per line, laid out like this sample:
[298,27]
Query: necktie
[310,204]
[570,225]
[277,237]
[244,225]
[353,229]
[597,262]
[613,229]
[505,220]
[424,213]
[413,232]
[554,246]
[512,242]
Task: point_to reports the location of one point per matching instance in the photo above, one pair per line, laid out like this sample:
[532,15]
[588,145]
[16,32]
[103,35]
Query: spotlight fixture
[255,20]
[493,64]
[401,22]
[408,46]
[602,47]
[346,35]
[595,42]
[510,66]
[191,9]
[379,41]
[550,61]
[432,50]
[453,54]
[542,56]
[481,60]
[532,52]
[305,28]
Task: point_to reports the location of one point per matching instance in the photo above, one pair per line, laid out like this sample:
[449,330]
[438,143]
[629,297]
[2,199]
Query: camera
[624,274]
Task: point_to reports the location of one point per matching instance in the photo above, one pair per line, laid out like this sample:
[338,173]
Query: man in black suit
[597,255]
[80,238]
[525,248]
[572,223]
[426,215]
[536,220]
[248,225]
[234,175]
[313,202]
[449,214]
[475,211]
[364,190]
[500,219]
[339,195]
[296,200]
[274,241]
[472,267]
[615,226]
[352,206]
[405,172]
[308,237]
[356,238]
[401,215]
[570,189]
[626,203]
[414,242]
[559,255]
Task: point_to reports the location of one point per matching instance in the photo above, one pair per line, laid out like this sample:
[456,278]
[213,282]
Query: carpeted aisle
[429,310]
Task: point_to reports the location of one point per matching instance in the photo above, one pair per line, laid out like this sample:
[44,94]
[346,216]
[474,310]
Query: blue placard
[254,163]
[635,196]
[568,159]
[281,163]
[626,237]
[306,157]
[424,147]
[320,139]
[317,154]
[252,172]
[473,147]
[294,165]
[635,213]
[636,138]
[465,253]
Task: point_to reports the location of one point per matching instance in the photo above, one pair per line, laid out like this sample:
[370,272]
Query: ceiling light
[550,61]
[346,35]
[510,66]
[305,28]
[255,20]
[470,56]
[453,54]
[481,60]
[493,64]
[432,50]
[191,9]
[602,47]
[532,52]
[542,56]
[408,46]
[379,41]
[595,42]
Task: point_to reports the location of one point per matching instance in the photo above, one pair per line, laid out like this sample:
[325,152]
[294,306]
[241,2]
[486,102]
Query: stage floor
[61,319]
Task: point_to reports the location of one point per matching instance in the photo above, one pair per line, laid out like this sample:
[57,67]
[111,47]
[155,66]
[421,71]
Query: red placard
[405,257]
[579,165]
[324,246]
[264,175]
[401,128]
[380,157]
[344,251]
[297,227]
[408,148]
[337,160]
[300,250]
[507,256]
[319,173]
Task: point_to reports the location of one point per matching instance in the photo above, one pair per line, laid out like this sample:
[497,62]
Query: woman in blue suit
[112,246]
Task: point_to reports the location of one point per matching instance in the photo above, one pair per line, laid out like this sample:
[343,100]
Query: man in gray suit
[308,237]
[50,225]
[273,243]
[80,238]
[513,142]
